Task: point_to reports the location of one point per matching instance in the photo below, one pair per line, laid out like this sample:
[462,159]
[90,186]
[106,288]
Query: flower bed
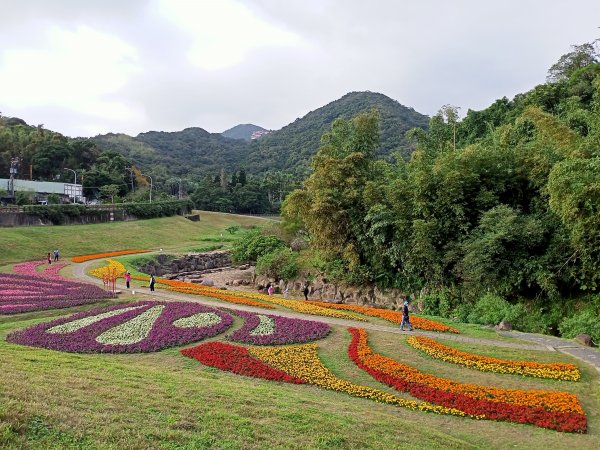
[391,316]
[130,328]
[232,358]
[83,258]
[112,269]
[548,409]
[437,350]
[48,271]
[300,363]
[261,329]
[24,293]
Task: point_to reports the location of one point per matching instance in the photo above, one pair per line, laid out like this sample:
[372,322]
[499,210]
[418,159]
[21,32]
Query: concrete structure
[41,189]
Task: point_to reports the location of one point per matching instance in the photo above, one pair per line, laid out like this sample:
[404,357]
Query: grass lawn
[170,233]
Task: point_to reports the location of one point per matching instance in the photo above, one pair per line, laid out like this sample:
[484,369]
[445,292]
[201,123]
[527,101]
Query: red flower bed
[486,409]
[233,358]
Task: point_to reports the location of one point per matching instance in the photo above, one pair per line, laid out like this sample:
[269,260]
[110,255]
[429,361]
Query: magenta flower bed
[49,270]
[23,293]
[283,330]
[126,326]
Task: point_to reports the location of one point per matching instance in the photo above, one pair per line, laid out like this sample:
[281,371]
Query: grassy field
[162,400]
[170,233]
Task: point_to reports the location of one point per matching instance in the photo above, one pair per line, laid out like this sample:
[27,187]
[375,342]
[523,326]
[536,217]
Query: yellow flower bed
[302,361]
[558,371]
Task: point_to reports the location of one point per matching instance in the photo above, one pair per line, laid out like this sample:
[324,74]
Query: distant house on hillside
[258,133]
[42,189]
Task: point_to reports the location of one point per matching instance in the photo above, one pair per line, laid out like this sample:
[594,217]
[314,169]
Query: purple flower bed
[285,330]
[23,293]
[162,331]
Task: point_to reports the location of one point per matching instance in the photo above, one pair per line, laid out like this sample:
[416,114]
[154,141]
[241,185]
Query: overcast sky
[85,67]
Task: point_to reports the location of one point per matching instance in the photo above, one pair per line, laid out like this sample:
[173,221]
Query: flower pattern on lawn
[391,316]
[134,327]
[261,329]
[295,364]
[437,350]
[24,293]
[548,409]
[48,270]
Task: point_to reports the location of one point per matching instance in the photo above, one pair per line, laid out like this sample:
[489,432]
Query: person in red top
[127,279]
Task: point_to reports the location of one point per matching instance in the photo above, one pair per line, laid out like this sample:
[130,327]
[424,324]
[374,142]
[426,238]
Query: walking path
[536,341]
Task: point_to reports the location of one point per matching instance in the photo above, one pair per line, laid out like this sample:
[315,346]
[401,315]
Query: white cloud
[73,69]
[223,33]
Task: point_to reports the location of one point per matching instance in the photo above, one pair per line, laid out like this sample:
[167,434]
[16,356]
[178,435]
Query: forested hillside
[292,147]
[496,216]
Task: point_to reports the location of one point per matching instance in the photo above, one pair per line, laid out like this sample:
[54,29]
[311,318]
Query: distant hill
[196,151]
[190,151]
[243,131]
[292,147]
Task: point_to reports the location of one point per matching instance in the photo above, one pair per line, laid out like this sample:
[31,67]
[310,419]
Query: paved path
[535,341]
[570,347]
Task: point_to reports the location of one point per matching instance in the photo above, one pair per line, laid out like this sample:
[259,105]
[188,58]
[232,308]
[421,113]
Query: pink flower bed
[24,293]
[49,271]
[129,328]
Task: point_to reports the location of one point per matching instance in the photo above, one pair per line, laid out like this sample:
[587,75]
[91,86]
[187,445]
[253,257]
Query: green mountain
[292,147]
[196,151]
[243,131]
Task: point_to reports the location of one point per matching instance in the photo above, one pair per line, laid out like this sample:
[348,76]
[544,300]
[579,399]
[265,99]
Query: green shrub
[489,310]
[584,321]
[254,245]
[280,264]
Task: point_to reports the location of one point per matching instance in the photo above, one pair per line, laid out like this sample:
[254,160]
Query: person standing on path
[305,291]
[127,279]
[405,318]
[152,281]
[56,255]
[270,290]
[49,258]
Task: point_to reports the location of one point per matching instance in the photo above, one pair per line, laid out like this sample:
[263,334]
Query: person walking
[270,290]
[49,258]
[127,279]
[305,291]
[152,281]
[56,255]
[286,292]
[405,316]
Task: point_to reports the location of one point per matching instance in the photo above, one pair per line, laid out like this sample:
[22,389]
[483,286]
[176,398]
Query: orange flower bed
[391,316]
[550,400]
[83,258]
[188,288]
[437,350]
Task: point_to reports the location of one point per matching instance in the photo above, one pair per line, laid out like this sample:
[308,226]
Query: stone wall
[170,266]
[21,219]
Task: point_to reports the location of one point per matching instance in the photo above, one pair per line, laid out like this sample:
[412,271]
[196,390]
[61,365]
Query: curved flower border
[391,316]
[83,258]
[162,334]
[437,350]
[285,330]
[559,411]
[25,293]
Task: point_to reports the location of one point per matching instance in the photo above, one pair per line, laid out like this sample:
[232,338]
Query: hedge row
[58,214]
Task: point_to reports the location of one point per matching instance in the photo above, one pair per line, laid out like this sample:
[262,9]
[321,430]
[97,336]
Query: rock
[208,283]
[198,281]
[236,282]
[584,339]
[505,325]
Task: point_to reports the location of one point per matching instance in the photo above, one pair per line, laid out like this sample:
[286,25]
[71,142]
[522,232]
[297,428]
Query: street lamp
[75,183]
[144,175]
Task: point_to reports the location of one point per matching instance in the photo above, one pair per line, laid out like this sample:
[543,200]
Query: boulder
[236,282]
[584,339]
[505,325]
[208,282]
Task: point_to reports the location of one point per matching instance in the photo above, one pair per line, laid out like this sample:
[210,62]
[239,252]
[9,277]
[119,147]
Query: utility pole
[14,164]
[179,194]
[150,186]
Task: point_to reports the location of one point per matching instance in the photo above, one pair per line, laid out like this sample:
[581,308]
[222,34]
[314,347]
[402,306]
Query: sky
[88,67]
